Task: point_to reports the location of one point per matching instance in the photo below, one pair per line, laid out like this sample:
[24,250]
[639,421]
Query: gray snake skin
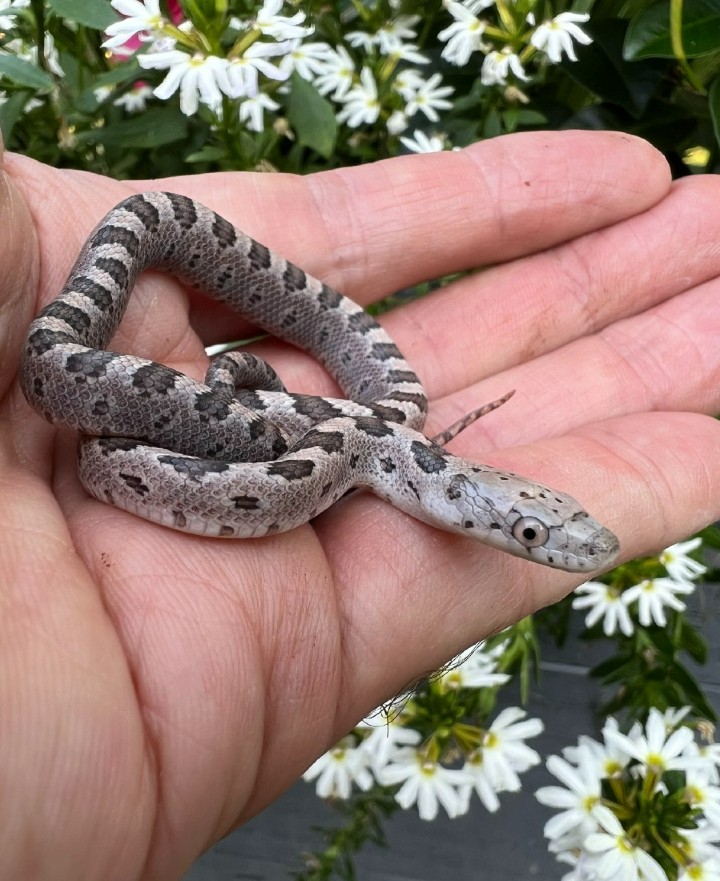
[238,456]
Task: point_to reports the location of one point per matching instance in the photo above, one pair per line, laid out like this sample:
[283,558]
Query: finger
[652,478]
[516,312]
[18,276]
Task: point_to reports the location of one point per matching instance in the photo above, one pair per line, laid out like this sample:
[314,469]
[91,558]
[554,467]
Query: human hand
[158,687]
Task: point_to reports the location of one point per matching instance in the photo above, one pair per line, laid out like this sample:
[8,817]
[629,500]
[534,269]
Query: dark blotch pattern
[259,256]
[246,503]
[362,322]
[100,296]
[327,441]
[43,340]
[154,379]
[194,469]
[78,320]
[116,269]
[328,298]
[385,351]
[291,469]
[387,465]
[316,409]
[224,232]
[110,445]
[183,210]
[145,211]
[135,483]
[91,364]
[117,235]
[294,278]
[211,408]
[429,458]
[373,427]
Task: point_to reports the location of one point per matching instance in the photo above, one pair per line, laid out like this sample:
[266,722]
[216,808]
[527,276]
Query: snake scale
[237,455]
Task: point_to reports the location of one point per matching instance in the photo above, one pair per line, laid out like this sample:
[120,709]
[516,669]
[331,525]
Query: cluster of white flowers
[392,754]
[613,795]
[466,35]
[646,601]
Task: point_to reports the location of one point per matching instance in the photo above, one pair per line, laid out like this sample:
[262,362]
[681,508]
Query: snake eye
[530,532]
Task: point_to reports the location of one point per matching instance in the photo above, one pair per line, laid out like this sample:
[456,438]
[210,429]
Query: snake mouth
[601,551]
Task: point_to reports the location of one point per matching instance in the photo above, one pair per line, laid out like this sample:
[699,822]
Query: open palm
[159,688]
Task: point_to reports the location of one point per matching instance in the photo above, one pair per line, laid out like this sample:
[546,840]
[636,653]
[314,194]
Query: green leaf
[207,154]
[154,128]
[11,111]
[97,14]
[602,69]
[649,33]
[24,73]
[312,117]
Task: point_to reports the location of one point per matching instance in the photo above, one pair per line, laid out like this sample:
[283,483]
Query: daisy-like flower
[504,751]
[337,770]
[703,794]
[479,782]
[252,111]
[577,800]
[615,856]
[308,59]
[476,669]
[337,74]
[361,40]
[199,78]
[705,871]
[653,595]
[556,36]
[29,52]
[654,748]
[425,783]
[463,36]
[143,20]
[242,72]
[679,565]
[606,602]
[700,843]
[134,100]
[408,82]
[8,21]
[498,65]
[361,102]
[421,143]
[382,742]
[280,27]
[391,35]
[408,52]
[430,98]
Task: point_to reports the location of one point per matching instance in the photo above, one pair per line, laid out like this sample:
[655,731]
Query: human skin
[157,689]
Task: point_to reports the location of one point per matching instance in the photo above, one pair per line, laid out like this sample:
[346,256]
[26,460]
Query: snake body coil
[223,458]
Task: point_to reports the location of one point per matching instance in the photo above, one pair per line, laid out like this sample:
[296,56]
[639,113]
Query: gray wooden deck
[480,846]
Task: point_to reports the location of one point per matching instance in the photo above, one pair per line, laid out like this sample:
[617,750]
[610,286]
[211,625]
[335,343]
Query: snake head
[519,517]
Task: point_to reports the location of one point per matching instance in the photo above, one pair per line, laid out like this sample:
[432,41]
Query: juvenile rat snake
[238,456]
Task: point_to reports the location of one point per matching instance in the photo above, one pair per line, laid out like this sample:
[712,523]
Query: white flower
[135,99]
[408,52]
[408,82]
[280,27]
[308,59]
[700,842]
[361,40]
[242,72]
[556,36]
[361,102]
[653,595]
[381,743]
[616,857]
[29,52]
[463,37]
[430,98]
[576,801]
[701,793]
[478,5]
[503,750]
[479,781]
[705,871]
[679,565]
[497,66]
[337,74]
[252,111]
[143,18]
[391,35]
[654,748]
[604,602]
[476,667]
[421,143]
[8,21]
[424,782]
[199,78]
[337,770]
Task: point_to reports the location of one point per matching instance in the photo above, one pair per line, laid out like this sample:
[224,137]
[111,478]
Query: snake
[238,456]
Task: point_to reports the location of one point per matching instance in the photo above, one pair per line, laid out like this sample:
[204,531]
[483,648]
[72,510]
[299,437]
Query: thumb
[19,273]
